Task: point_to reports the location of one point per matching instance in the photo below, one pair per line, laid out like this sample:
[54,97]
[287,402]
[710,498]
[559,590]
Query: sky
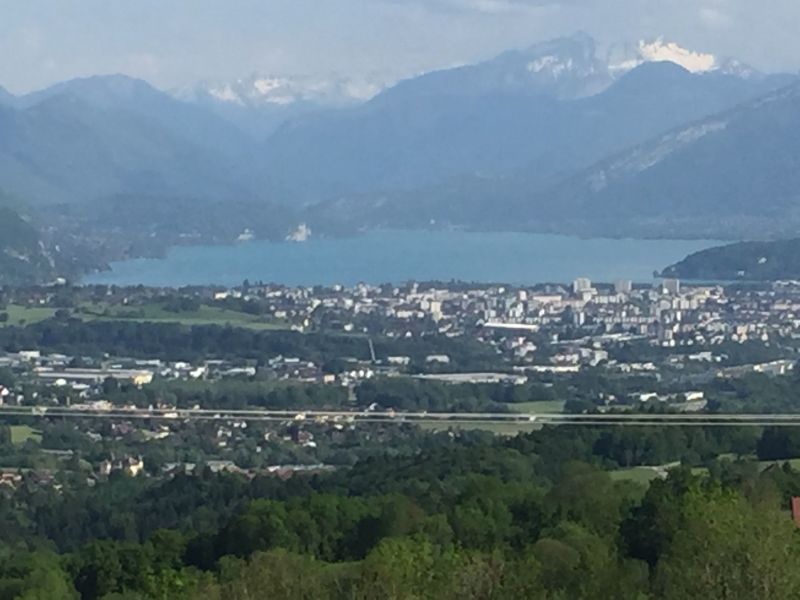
[175,43]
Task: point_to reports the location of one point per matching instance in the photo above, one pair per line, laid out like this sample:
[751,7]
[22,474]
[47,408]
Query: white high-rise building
[581,284]
[623,286]
[672,286]
[436,310]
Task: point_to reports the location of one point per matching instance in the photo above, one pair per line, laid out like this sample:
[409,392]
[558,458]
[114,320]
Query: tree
[7,378]
[578,563]
[5,435]
[402,568]
[650,527]
[40,577]
[278,575]
[586,495]
[728,548]
[97,570]
[779,443]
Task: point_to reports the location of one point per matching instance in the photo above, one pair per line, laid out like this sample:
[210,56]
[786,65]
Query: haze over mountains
[737,170]
[549,110]
[259,104]
[85,139]
[655,140]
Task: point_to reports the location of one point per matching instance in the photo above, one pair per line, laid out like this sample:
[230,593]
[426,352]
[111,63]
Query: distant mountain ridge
[737,170]
[564,68]
[6,98]
[654,141]
[259,104]
[552,109]
[89,138]
[552,192]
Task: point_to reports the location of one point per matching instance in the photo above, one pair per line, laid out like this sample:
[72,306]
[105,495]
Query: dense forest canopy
[476,517]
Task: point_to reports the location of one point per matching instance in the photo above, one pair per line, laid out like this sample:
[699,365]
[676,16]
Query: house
[133,466]
[401,361]
[10,478]
[94,376]
[442,359]
[219,466]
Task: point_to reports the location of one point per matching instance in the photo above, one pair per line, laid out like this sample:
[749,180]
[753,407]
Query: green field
[22,433]
[23,315]
[762,464]
[543,407]
[643,475]
[205,315]
[793,462]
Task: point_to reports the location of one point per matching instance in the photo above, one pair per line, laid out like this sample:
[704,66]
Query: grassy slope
[22,433]
[23,315]
[205,315]
[540,407]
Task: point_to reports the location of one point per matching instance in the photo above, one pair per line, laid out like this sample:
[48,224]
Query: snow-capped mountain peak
[268,90]
[567,67]
[660,51]
[225,93]
[551,64]
[732,66]
[693,61]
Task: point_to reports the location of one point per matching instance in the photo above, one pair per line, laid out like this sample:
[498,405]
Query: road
[455,418]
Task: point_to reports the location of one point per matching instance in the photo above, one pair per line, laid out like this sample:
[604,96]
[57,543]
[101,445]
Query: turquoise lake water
[398,256]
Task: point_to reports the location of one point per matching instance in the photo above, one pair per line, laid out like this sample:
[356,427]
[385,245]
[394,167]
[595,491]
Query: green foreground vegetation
[470,517]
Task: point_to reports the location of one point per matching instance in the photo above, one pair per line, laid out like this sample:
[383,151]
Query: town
[540,329]
[413,347]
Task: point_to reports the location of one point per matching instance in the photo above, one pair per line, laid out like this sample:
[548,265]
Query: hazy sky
[177,42]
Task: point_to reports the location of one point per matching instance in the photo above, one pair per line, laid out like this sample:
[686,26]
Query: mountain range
[655,140]
[737,171]
[259,104]
[90,138]
[548,110]
[537,114]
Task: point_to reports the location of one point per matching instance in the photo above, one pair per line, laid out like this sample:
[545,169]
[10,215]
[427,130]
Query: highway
[454,418]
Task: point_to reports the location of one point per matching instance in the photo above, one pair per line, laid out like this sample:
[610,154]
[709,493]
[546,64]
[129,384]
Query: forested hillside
[467,518]
[748,261]
[22,256]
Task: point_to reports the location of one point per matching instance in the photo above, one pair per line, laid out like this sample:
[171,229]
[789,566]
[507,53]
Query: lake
[398,256]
